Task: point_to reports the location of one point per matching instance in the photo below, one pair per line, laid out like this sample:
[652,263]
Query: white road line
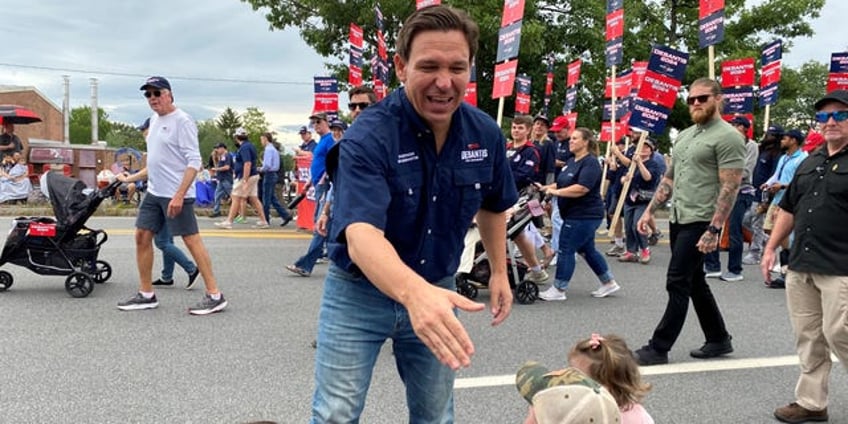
[689,367]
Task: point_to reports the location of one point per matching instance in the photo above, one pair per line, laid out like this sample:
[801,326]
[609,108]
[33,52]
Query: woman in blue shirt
[577,190]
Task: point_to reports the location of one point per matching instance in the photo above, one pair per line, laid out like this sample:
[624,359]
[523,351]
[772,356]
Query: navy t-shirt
[223,161]
[246,153]
[586,172]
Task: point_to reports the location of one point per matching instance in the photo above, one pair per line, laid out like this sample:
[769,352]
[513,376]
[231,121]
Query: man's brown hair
[437,18]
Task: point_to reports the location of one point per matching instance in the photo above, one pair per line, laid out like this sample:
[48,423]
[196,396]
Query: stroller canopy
[70,205]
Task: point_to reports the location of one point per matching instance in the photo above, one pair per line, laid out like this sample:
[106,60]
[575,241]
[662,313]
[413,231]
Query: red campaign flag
[549,84]
[659,89]
[354,76]
[379,89]
[504,80]
[615,24]
[622,87]
[770,74]
[606,131]
[708,7]
[326,102]
[638,74]
[573,73]
[471,93]
[735,73]
[572,120]
[837,81]
[420,4]
[382,50]
[513,11]
[355,35]
[522,103]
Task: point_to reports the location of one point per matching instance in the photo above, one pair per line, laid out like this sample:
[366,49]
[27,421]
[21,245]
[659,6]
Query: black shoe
[646,355]
[161,282]
[777,283]
[286,221]
[713,349]
[191,278]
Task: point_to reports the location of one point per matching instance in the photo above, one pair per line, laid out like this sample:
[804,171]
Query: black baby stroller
[64,245]
[468,281]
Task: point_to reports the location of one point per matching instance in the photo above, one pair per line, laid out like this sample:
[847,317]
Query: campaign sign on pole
[768,95]
[615,24]
[354,75]
[772,52]
[735,73]
[648,116]
[638,75]
[573,73]
[669,62]
[708,7]
[522,97]
[837,82]
[420,4]
[326,91]
[606,131]
[622,107]
[570,99]
[622,86]
[711,29]
[613,5]
[504,81]
[513,11]
[509,40]
[659,88]
[572,119]
[738,100]
[471,88]
[839,63]
[614,52]
[770,74]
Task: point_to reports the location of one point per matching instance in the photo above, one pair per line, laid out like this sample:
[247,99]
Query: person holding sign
[704,176]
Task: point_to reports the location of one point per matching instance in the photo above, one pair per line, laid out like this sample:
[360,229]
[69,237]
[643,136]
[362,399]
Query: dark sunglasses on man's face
[700,99]
[838,116]
[361,105]
[156,93]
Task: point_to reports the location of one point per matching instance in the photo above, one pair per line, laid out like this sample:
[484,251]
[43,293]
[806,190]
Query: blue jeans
[578,236]
[222,189]
[269,197]
[712,262]
[354,321]
[635,241]
[171,254]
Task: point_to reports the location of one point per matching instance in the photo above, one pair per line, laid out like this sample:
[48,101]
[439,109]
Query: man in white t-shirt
[173,161]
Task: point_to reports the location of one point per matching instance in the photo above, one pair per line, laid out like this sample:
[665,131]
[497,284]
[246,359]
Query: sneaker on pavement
[794,413]
[776,283]
[224,224]
[645,256]
[616,251]
[262,225]
[322,260]
[713,349]
[191,278]
[208,305]
[628,257]
[537,276]
[297,270]
[730,276]
[646,355]
[750,260]
[138,302]
[286,221]
[712,274]
[552,294]
[606,289]
[161,282]
[240,220]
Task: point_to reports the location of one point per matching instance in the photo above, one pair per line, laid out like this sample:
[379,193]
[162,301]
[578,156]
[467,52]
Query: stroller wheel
[6,280]
[527,292]
[102,272]
[79,284]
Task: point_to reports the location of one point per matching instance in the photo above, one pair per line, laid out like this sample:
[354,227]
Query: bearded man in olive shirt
[704,176]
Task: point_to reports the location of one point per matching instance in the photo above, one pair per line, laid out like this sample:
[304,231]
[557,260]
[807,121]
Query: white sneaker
[552,294]
[537,276]
[714,274]
[553,261]
[224,224]
[606,289]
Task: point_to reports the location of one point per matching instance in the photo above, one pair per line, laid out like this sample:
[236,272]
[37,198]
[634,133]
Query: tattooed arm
[730,180]
[646,223]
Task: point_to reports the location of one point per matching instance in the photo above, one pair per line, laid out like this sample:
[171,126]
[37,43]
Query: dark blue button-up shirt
[391,177]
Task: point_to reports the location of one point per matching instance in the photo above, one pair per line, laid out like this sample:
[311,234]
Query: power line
[170,77]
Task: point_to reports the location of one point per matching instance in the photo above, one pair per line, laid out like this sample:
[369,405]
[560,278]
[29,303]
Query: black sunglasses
[700,99]
[156,93]
[361,105]
[838,116]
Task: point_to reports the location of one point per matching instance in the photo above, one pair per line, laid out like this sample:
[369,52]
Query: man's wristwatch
[713,229]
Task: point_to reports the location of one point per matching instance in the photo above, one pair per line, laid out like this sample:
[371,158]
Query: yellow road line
[264,234]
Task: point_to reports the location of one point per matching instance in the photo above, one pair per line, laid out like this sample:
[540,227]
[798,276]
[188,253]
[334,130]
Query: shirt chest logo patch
[473,153]
[407,157]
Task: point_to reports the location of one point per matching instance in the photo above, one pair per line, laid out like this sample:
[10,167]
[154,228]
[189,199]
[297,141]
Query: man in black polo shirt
[813,210]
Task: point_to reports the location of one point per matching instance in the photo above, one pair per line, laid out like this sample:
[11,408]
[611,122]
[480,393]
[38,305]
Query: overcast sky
[188,41]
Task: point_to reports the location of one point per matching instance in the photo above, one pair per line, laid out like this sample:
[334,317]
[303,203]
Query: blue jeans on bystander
[578,236]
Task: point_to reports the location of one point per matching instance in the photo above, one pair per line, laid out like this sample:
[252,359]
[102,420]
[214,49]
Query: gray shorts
[153,213]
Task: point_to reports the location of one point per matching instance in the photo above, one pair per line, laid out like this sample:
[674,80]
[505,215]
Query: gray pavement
[71,360]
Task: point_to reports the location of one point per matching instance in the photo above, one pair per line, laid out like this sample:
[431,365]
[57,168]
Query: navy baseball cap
[775,130]
[219,145]
[156,82]
[338,123]
[304,130]
[741,120]
[796,134]
[144,125]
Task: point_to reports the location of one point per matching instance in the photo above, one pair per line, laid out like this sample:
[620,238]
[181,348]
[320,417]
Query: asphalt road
[68,360]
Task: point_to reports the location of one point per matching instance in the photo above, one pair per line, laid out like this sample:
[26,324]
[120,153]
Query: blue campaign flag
[648,116]
[613,5]
[614,52]
[326,85]
[839,63]
[356,57]
[522,84]
[772,52]
[509,40]
[669,62]
[738,100]
[622,107]
[711,29]
[768,95]
[570,99]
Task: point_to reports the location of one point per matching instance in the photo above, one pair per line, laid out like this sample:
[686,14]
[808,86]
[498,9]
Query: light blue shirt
[786,167]
[270,159]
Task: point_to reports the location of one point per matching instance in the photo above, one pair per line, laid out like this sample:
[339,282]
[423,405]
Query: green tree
[209,133]
[80,125]
[125,135]
[228,121]
[569,29]
[255,123]
[798,91]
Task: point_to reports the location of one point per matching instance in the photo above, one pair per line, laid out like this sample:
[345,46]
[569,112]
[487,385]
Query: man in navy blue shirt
[413,171]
